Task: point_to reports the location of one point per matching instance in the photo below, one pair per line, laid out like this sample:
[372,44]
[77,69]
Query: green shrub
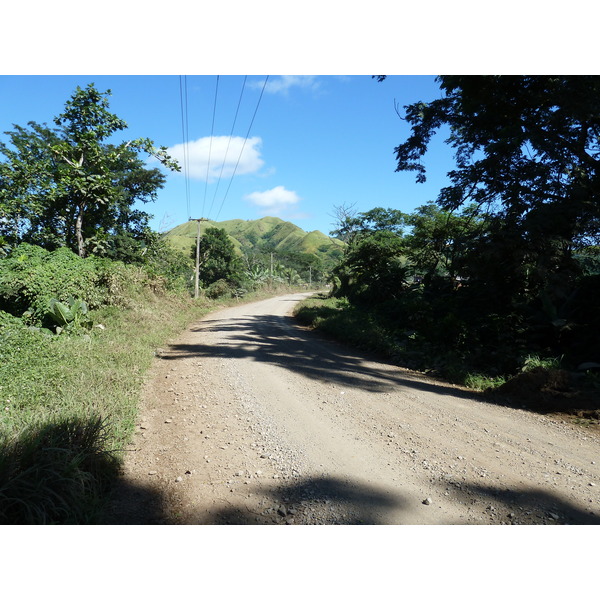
[69,316]
[31,278]
[218,289]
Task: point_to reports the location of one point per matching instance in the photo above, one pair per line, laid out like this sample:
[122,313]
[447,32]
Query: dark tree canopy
[528,145]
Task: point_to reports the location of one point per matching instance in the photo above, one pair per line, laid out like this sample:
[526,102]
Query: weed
[534,361]
[481,383]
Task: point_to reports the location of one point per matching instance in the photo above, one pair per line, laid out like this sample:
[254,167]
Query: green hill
[269,234]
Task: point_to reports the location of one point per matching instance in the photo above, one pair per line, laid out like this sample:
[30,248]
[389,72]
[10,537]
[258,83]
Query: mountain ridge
[268,234]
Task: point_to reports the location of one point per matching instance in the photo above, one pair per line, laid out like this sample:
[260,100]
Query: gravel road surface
[248,418]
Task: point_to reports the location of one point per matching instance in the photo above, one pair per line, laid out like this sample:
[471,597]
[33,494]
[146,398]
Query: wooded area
[505,263]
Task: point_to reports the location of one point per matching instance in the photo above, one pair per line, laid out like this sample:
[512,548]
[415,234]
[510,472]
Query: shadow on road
[277,340]
[135,504]
[529,506]
[317,500]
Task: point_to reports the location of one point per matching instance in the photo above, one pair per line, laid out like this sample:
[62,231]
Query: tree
[218,259]
[26,185]
[64,186]
[527,153]
[351,224]
[527,148]
[441,241]
[373,269]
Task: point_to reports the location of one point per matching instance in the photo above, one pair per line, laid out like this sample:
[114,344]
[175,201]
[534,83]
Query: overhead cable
[243,146]
[228,144]
[184,133]
[210,144]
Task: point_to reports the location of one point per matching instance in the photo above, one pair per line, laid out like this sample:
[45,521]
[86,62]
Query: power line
[210,144]
[243,146]
[228,144]
[184,133]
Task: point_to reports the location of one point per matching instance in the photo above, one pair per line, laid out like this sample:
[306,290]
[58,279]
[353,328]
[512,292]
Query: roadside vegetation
[71,378]
[495,285]
[88,295]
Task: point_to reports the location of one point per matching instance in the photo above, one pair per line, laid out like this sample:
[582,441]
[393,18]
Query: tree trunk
[78,230]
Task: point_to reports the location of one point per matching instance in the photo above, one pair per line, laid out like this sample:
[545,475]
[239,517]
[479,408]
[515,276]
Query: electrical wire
[210,144]
[185,136]
[243,146]
[228,144]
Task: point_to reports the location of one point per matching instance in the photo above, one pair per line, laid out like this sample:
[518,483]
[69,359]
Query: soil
[249,418]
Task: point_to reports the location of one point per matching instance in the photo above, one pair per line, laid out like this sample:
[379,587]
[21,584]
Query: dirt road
[249,419]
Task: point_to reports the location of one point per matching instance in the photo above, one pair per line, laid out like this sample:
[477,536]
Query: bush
[218,289]
[31,278]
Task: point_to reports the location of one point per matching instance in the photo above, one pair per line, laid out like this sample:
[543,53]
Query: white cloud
[283,83]
[275,201]
[223,152]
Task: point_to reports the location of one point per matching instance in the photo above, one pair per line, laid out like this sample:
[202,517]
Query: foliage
[68,403]
[373,270]
[162,261]
[218,260]
[535,362]
[505,264]
[32,277]
[218,289]
[527,150]
[69,316]
[69,186]
[440,241]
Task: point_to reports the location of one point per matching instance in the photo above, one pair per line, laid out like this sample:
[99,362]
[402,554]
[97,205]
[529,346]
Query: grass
[535,362]
[344,322]
[68,406]
[481,383]
[55,472]
[69,403]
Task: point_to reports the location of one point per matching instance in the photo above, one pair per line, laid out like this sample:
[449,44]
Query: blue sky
[316,142]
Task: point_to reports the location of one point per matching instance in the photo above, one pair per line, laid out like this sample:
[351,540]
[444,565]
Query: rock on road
[248,418]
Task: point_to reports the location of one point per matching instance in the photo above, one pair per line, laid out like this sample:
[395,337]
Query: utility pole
[197,273]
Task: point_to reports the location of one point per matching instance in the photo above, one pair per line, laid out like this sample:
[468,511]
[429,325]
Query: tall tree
[527,151]
[60,186]
[528,145]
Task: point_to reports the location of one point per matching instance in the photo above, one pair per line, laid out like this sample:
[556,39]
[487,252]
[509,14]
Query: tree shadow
[531,506]
[279,341]
[134,504]
[317,500]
